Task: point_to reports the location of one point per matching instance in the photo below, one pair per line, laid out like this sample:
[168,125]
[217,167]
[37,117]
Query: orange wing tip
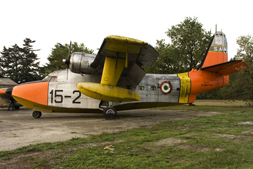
[107,92]
[2,92]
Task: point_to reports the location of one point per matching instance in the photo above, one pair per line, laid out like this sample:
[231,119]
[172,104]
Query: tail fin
[216,58]
[217,51]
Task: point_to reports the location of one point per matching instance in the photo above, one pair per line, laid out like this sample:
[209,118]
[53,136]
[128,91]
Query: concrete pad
[18,128]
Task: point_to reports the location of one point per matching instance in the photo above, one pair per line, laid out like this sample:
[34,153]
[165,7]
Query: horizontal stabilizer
[227,68]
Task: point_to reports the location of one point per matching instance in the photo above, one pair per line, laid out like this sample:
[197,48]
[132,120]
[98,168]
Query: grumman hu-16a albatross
[114,80]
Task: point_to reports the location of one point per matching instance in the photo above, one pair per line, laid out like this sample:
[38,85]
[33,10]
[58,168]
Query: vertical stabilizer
[217,52]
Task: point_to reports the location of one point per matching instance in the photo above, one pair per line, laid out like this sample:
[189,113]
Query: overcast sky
[90,21]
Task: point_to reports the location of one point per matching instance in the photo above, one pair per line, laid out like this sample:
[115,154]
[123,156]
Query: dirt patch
[193,148]
[219,149]
[246,122]
[198,148]
[235,137]
[169,142]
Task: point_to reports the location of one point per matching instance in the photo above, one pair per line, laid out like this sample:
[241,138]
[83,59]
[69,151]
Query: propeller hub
[64,61]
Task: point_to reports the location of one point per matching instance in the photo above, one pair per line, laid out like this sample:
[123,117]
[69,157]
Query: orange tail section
[215,68]
[216,58]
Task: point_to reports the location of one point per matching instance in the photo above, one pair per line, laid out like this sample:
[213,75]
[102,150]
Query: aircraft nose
[2,92]
[33,92]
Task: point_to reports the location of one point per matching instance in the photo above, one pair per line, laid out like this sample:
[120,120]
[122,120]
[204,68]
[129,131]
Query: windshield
[50,79]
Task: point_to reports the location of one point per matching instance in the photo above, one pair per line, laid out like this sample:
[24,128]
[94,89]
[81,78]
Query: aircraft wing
[135,52]
[117,46]
[119,56]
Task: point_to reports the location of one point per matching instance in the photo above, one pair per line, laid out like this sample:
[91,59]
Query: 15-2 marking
[59,97]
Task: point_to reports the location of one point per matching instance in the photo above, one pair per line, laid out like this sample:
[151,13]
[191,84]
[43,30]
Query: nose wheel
[36,114]
[110,113]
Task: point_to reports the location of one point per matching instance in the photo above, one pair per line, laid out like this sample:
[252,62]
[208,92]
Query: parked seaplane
[114,80]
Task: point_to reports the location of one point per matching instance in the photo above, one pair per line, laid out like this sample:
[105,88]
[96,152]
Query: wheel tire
[11,108]
[110,113]
[36,114]
[16,107]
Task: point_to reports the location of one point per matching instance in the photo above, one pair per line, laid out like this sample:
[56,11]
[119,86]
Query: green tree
[189,42]
[20,64]
[241,83]
[9,62]
[60,52]
[29,62]
[166,62]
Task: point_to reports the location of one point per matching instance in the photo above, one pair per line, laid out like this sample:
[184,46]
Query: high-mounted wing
[119,46]
[119,56]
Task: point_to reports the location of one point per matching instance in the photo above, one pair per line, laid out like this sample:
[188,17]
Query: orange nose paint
[2,92]
[34,92]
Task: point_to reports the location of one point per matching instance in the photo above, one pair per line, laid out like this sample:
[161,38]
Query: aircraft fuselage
[59,94]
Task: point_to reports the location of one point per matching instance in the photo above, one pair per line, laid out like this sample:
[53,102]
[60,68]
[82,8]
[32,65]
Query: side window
[152,88]
[141,88]
[53,79]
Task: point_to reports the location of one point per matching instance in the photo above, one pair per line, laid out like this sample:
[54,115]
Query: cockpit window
[50,79]
[53,79]
[46,79]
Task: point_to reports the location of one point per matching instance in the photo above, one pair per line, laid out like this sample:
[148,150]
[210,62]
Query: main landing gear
[108,110]
[36,114]
[110,113]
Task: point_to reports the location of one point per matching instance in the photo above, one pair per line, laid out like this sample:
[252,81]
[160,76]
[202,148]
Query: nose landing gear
[36,114]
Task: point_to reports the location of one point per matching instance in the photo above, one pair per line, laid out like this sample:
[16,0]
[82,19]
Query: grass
[221,103]
[220,141]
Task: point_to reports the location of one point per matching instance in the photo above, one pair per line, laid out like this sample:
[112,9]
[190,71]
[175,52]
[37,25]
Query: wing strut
[107,89]
[126,62]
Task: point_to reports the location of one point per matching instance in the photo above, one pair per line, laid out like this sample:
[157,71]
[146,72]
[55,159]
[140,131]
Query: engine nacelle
[80,63]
